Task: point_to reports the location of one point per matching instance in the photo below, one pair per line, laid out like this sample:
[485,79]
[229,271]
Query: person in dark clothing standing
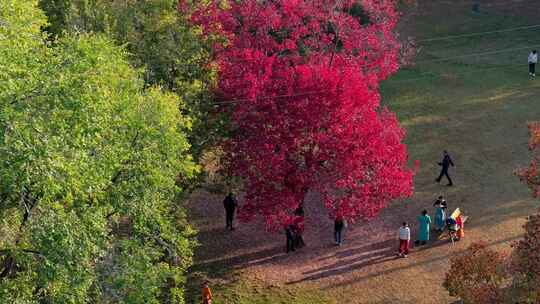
[339,226]
[289,234]
[445,164]
[299,210]
[298,227]
[297,233]
[230,204]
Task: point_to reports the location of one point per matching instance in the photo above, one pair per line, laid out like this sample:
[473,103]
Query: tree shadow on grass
[364,256]
[399,268]
[360,253]
[221,272]
[217,242]
[218,267]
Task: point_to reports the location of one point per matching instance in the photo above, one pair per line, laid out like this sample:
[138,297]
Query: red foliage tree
[530,175]
[527,251]
[477,276]
[526,259]
[301,80]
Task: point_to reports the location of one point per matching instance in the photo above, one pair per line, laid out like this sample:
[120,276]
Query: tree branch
[31,94]
[26,197]
[35,252]
[115,178]
[173,256]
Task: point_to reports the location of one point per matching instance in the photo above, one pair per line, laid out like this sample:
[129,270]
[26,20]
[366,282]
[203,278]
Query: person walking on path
[533,60]
[230,204]
[424,222]
[404,236]
[445,164]
[440,214]
[339,226]
[206,294]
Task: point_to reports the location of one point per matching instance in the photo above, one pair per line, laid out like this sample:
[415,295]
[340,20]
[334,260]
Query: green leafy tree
[91,167]
[160,41]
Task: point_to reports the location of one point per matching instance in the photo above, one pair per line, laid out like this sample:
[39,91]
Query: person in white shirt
[404,240]
[533,60]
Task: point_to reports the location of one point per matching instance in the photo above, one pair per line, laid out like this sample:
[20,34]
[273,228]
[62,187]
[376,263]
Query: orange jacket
[461,231]
[206,293]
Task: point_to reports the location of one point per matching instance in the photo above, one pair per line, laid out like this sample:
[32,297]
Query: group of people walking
[424,227]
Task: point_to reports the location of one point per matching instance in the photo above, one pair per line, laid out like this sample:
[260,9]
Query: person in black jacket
[339,226]
[445,164]
[299,210]
[230,204]
[298,238]
[289,234]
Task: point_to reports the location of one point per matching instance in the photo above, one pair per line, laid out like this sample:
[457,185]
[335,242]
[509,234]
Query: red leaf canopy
[302,82]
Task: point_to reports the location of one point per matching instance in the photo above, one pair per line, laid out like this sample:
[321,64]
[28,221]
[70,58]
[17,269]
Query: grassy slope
[477,108]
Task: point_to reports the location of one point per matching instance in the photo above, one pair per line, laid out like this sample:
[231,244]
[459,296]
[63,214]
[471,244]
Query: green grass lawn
[476,107]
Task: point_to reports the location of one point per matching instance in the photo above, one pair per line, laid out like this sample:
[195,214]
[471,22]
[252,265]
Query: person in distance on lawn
[424,222]
[339,226]
[461,231]
[298,229]
[206,293]
[289,234]
[533,60]
[230,204]
[440,216]
[299,210]
[445,164]
[404,236]
[440,200]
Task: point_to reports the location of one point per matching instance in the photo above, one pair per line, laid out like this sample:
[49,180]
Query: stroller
[454,224]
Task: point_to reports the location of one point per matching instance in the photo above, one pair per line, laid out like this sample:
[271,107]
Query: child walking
[404,240]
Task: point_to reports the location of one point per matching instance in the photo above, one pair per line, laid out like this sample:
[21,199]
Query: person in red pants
[404,240]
